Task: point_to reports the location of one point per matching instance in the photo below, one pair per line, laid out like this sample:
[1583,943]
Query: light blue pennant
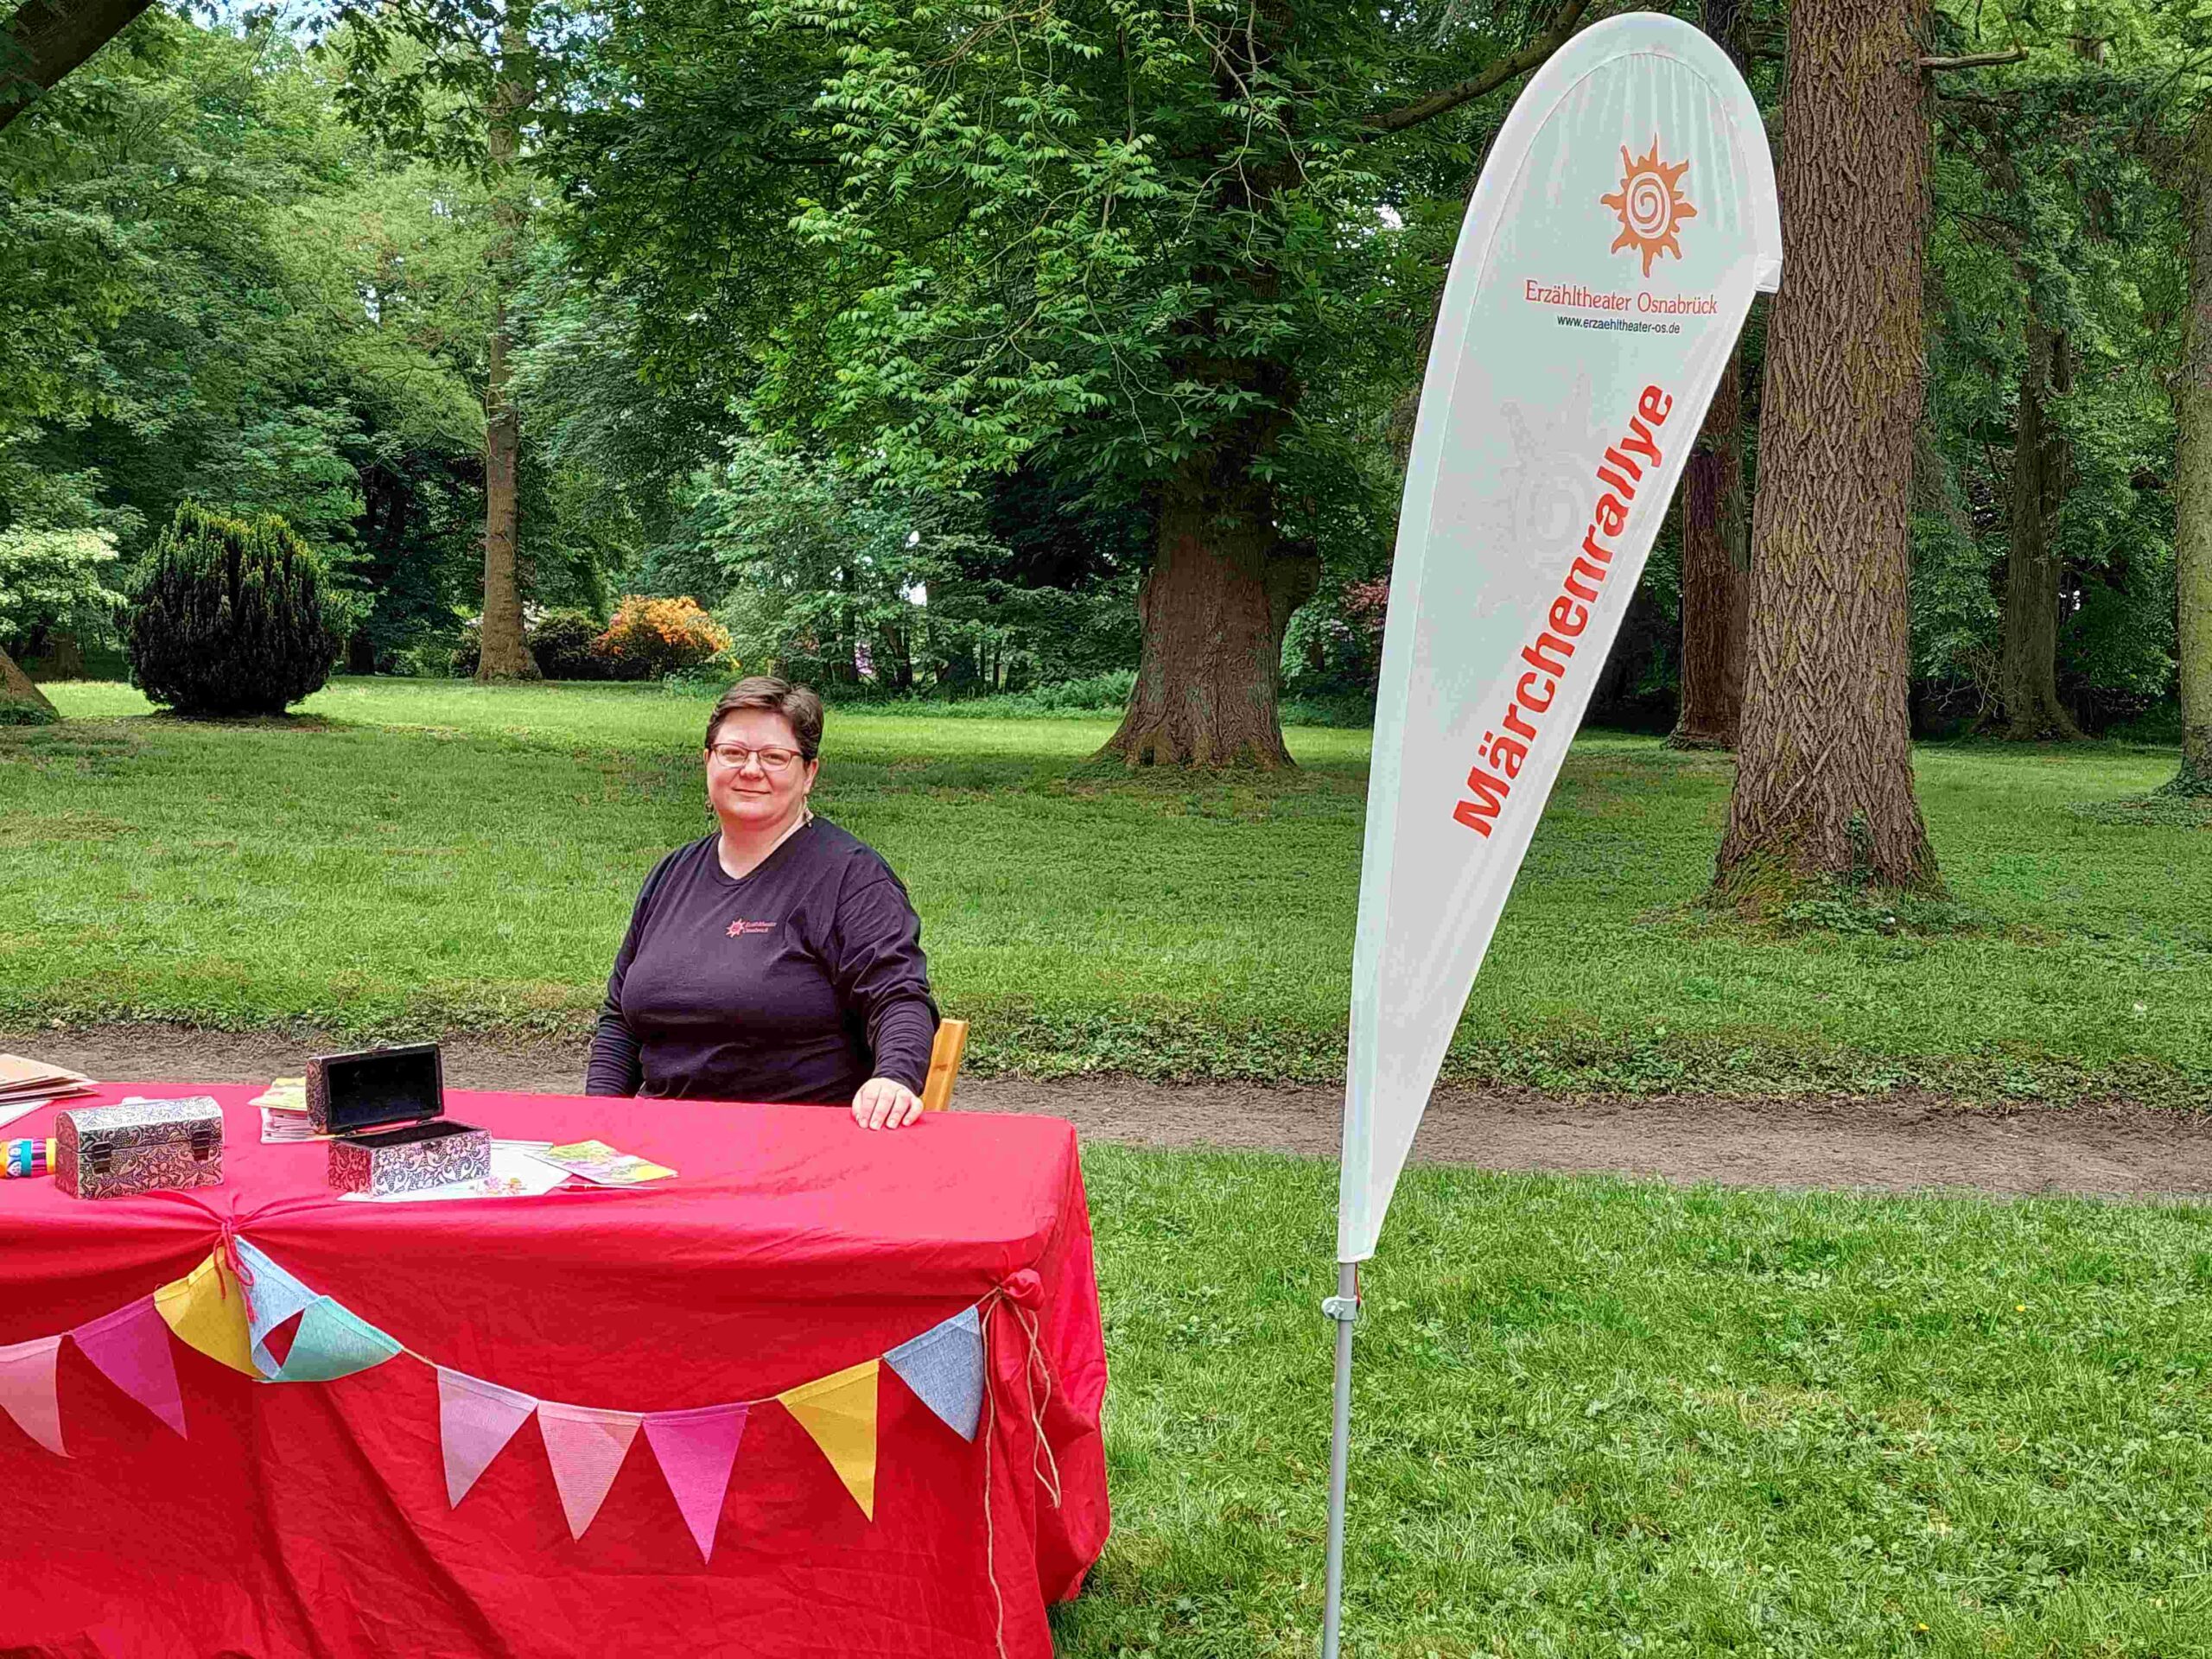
[331,1342]
[274,1297]
[334,1342]
[944,1368]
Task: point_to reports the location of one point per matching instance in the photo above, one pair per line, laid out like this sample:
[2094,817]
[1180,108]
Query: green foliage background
[878,329]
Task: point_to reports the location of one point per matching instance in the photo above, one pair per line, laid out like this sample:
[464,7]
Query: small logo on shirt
[739,928]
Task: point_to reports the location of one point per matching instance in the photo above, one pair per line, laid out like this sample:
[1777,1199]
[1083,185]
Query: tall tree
[506,652]
[1142,241]
[2042,473]
[2021,177]
[2042,553]
[1716,528]
[462,81]
[2193,473]
[1824,774]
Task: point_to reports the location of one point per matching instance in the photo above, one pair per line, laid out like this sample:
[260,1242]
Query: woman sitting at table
[777,958]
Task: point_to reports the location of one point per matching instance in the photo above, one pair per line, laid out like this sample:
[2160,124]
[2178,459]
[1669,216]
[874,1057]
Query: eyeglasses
[735,756]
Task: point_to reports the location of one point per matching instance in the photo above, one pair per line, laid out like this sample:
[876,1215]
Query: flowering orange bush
[650,636]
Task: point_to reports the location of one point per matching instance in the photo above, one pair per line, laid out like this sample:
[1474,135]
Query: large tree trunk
[1716,574]
[16,686]
[506,652]
[1214,606]
[1824,773]
[2028,670]
[2193,478]
[45,39]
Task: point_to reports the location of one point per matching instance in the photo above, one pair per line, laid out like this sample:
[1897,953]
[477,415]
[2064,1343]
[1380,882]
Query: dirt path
[1899,1143]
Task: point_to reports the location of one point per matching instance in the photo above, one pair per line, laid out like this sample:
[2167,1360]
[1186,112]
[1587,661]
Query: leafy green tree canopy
[1163,248]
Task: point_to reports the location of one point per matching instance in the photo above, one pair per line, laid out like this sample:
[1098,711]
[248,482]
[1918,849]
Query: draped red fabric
[312,1518]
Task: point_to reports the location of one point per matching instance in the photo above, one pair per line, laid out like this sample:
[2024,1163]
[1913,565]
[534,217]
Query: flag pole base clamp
[1345,1309]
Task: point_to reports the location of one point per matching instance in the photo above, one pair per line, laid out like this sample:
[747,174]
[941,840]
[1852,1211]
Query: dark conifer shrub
[228,617]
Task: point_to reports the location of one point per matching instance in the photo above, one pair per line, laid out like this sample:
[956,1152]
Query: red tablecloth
[312,1518]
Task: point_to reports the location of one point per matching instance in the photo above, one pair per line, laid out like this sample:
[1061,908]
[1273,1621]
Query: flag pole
[1344,1309]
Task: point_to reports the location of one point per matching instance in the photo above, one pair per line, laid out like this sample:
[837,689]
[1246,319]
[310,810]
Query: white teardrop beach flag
[1623,219]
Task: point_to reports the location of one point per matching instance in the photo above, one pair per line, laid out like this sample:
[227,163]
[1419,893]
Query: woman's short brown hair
[797,704]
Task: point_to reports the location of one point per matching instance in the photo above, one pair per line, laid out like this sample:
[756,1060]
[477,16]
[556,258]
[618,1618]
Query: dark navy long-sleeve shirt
[798,982]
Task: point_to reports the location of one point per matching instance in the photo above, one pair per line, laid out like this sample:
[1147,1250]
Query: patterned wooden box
[110,1152]
[386,1107]
[410,1158]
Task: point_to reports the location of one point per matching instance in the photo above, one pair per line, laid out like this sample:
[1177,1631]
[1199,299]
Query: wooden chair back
[945,1055]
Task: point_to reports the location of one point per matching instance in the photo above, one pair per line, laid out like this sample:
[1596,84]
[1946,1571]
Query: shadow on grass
[284,723]
[2160,811]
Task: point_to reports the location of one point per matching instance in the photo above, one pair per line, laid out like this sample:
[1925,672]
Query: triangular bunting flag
[275,1296]
[131,1348]
[27,1390]
[696,1449]
[476,1419]
[839,1413]
[332,1342]
[945,1366]
[585,1447]
[207,1309]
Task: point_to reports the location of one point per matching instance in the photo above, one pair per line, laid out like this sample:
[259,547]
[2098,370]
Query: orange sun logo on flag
[1650,204]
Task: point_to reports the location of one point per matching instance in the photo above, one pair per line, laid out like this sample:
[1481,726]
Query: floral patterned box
[386,1109]
[409,1159]
[147,1145]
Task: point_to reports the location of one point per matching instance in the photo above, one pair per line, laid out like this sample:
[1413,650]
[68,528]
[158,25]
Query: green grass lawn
[1601,1418]
[1595,1417]
[421,856]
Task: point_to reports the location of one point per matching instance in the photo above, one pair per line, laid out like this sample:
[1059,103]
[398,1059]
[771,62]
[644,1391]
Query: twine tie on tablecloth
[229,1226]
[226,1253]
[1024,1286]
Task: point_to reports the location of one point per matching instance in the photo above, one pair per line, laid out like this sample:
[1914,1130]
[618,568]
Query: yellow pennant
[839,1413]
[207,1309]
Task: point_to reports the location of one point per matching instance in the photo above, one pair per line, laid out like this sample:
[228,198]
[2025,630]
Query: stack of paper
[284,1111]
[26,1085]
[284,1095]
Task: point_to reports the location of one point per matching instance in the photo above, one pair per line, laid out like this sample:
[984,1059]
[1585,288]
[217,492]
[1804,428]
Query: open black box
[386,1109]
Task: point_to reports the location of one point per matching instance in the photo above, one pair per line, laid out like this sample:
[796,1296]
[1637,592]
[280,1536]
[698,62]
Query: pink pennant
[131,1348]
[27,1390]
[585,1447]
[476,1419]
[696,1449]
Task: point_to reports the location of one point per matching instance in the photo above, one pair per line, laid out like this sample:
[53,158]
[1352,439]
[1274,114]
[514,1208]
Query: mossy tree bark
[2193,477]
[18,685]
[2042,474]
[1214,606]
[505,653]
[1824,773]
